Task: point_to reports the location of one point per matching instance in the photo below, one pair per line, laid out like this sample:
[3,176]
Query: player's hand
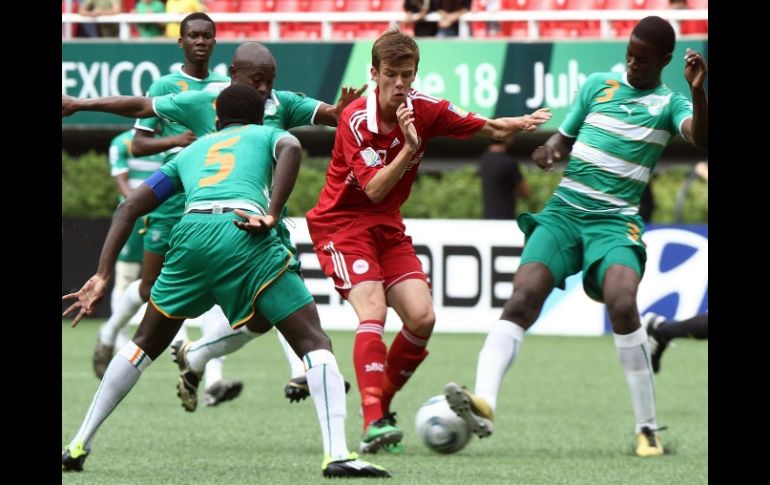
[88,298]
[544,156]
[695,68]
[531,121]
[406,122]
[185,138]
[254,223]
[347,96]
[68,105]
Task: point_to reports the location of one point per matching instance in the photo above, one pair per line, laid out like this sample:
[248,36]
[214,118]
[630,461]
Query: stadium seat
[256,5]
[357,5]
[300,30]
[698,4]
[392,5]
[655,4]
[222,5]
[327,5]
[585,4]
[292,5]
[619,4]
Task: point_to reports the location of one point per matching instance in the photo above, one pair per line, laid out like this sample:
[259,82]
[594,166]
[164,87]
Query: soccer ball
[440,428]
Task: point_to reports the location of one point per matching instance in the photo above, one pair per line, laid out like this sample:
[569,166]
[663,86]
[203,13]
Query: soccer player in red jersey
[358,232]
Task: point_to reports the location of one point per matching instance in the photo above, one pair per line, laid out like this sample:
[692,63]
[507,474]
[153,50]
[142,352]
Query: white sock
[120,377]
[296,366]
[327,388]
[217,344]
[128,304]
[125,273]
[634,354]
[500,348]
[211,321]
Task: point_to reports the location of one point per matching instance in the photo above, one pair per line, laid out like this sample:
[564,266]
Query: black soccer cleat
[352,467]
[72,460]
[297,390]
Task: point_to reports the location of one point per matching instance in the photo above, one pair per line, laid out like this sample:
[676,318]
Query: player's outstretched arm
[146,143]
[329,114]
[501,129]
[129,106]
[140,202]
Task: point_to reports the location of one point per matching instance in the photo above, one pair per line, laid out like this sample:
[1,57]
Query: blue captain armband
[161,185]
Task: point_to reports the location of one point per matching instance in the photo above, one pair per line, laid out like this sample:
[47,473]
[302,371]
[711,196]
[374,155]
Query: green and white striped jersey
[122,161]
[621,132]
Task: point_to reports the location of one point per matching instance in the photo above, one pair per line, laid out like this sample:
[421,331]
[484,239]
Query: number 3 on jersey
[225,161]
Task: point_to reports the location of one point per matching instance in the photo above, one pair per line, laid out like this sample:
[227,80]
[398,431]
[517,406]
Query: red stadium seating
[292,5]
[222,5]
[256,5]
[327,5]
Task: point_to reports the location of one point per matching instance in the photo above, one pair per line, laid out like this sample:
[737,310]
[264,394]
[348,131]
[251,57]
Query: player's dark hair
[240,104]
[196,16]
[395,47]
[656,31]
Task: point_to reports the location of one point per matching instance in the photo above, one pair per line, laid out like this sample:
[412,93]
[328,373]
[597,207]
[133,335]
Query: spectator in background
[501,182]
[450,12]
[181,6]
[150,6]
[97,8]
[493,28]
[416,10]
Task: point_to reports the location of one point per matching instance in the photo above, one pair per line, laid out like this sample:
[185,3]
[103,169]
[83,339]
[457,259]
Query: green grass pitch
[563,417]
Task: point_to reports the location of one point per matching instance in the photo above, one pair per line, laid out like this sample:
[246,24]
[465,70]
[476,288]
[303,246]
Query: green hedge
[88,191]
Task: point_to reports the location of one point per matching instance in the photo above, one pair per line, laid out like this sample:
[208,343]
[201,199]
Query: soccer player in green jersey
[128,172]
[252,65]
[197,41]
[612,138]
[224,250]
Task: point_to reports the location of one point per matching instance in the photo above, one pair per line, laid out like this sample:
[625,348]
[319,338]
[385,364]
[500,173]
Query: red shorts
[381,253]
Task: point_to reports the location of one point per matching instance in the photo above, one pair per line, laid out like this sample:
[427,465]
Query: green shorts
[567,240]
[133,250]
[157,233]
[213,262]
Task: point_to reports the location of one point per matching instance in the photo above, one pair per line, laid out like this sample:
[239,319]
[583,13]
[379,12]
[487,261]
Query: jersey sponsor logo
[374,367]
[155,235]
[626,109]
[457,110]
[360,266]
[395,143]
[371,157]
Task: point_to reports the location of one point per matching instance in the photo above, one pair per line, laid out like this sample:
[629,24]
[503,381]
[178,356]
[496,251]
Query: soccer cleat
[221,391]
[393,448]
[380,433]
[651,321]
[471,408]
[187,386]
[648,443]
[296,390]
[352,467]
[102,357]
[73,458]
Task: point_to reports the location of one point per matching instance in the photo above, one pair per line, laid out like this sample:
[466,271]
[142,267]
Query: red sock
[406,353]
[369,353]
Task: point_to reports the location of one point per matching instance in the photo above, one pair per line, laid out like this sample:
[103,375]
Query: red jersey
[360,151]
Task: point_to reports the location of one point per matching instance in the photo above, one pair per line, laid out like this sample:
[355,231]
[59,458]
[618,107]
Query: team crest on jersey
[360,266]
[371,157]
[457,110]
[654,102]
